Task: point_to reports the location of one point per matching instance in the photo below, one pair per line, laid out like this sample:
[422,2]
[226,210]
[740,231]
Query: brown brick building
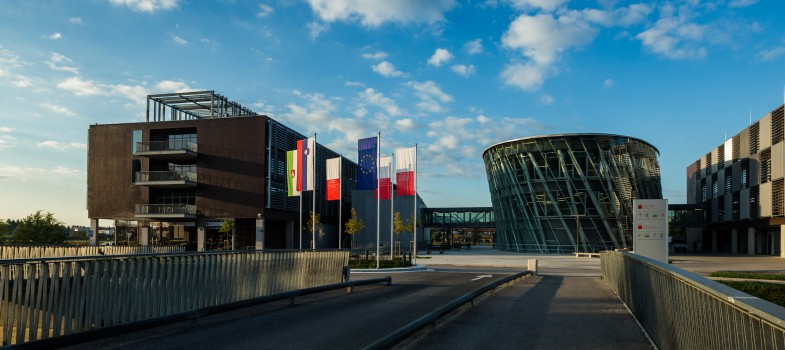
[197,161]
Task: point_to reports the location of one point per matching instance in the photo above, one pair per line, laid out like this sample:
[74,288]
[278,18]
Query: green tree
[39,228]
[314,219]
[354,225]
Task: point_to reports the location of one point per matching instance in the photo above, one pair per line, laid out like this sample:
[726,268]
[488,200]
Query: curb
[394,269]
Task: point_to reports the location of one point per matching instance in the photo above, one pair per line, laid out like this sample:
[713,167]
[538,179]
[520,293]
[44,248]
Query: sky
[452,76]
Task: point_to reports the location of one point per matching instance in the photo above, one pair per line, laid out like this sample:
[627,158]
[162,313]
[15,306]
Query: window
[754,134]
[765,166]
[777,197]
[728,181]
[136,138]
[745,171]
[715,186]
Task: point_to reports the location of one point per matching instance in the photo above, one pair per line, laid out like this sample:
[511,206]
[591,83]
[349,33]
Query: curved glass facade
[558,194]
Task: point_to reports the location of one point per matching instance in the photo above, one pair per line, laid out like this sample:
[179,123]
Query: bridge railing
[21,251]
[45,298]
[682,310]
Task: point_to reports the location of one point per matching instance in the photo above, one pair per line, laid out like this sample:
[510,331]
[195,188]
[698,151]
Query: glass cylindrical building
[557,194]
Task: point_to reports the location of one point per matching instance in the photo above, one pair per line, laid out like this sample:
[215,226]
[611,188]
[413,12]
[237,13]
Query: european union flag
[366,171]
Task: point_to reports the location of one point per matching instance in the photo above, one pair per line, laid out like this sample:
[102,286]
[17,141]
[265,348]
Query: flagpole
[313,194]
[378,153]
[300,231]
[414,226]
[392,200]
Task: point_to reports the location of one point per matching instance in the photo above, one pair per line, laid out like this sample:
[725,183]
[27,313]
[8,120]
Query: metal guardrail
[172,145]
[430,319]
[59,251]
[682,310]
[154,176]
[152,209]
[46,298]
[90,335]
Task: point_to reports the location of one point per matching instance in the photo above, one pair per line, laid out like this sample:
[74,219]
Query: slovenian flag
[405,165]
[334,179]
[291,173]
[367,150]
[305,152]
[385,178]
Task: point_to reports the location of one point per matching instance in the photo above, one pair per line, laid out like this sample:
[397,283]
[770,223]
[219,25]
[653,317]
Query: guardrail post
[533,267]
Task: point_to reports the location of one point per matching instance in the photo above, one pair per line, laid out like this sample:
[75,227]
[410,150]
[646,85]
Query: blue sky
[452,76]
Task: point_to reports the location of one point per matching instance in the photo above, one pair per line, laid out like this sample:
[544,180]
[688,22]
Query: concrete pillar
[259,234]
[782,241]
[144,235]
[234,234]
[93,238]
[734,246]
[751,240]
[201,237]
[714,241]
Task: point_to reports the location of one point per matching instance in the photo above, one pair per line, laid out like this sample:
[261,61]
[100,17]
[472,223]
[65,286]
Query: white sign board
[650,228]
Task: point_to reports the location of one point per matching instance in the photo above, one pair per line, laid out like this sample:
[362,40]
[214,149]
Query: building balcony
[166,179]
[165,211]
[167,150]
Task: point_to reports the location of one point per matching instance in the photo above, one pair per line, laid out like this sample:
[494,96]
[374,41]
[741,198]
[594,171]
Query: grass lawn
[771,292]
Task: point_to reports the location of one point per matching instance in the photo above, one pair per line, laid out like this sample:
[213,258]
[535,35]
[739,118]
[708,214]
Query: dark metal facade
[564,193]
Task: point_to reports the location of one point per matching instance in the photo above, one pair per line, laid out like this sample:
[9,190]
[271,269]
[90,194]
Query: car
[678,245]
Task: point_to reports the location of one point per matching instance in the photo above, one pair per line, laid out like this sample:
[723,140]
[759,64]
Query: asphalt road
[332,320]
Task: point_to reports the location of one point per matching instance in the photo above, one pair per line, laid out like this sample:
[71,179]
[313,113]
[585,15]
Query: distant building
[561,193]
[739,184]
[199,160]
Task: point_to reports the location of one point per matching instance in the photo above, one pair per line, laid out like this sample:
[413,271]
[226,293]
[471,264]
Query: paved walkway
[543,312]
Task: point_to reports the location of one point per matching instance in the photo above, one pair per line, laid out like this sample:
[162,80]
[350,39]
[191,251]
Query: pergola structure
[193,105]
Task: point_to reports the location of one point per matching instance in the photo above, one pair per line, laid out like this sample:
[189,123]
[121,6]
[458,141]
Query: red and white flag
[385,178]
[405,165]
[334,179]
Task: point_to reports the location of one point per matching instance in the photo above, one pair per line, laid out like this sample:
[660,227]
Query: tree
[227,226]
[399,226]
[354,225]
[39,228]
[314,219]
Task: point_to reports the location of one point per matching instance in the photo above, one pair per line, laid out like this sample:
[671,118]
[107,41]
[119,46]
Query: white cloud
[135,93]
[55,36]
[547,5]
[353,84]
[547,100]
[430,89]
[10,173]
[386,69]
[373,13]
[62,146]
[624,16]
[473,47]
[179,41]
[542,38]
[75,20]
[771,54]
[61,63]
[264,11]
[23,82]
[378,55]
[315,29]
[440,57]
[57,109]
[149,6]
[463,70]
[675,38]
[430,95]
[371,97]
[6,140]
[405,124]
[608,83]
[483,119]
[742,3]
[527,77]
